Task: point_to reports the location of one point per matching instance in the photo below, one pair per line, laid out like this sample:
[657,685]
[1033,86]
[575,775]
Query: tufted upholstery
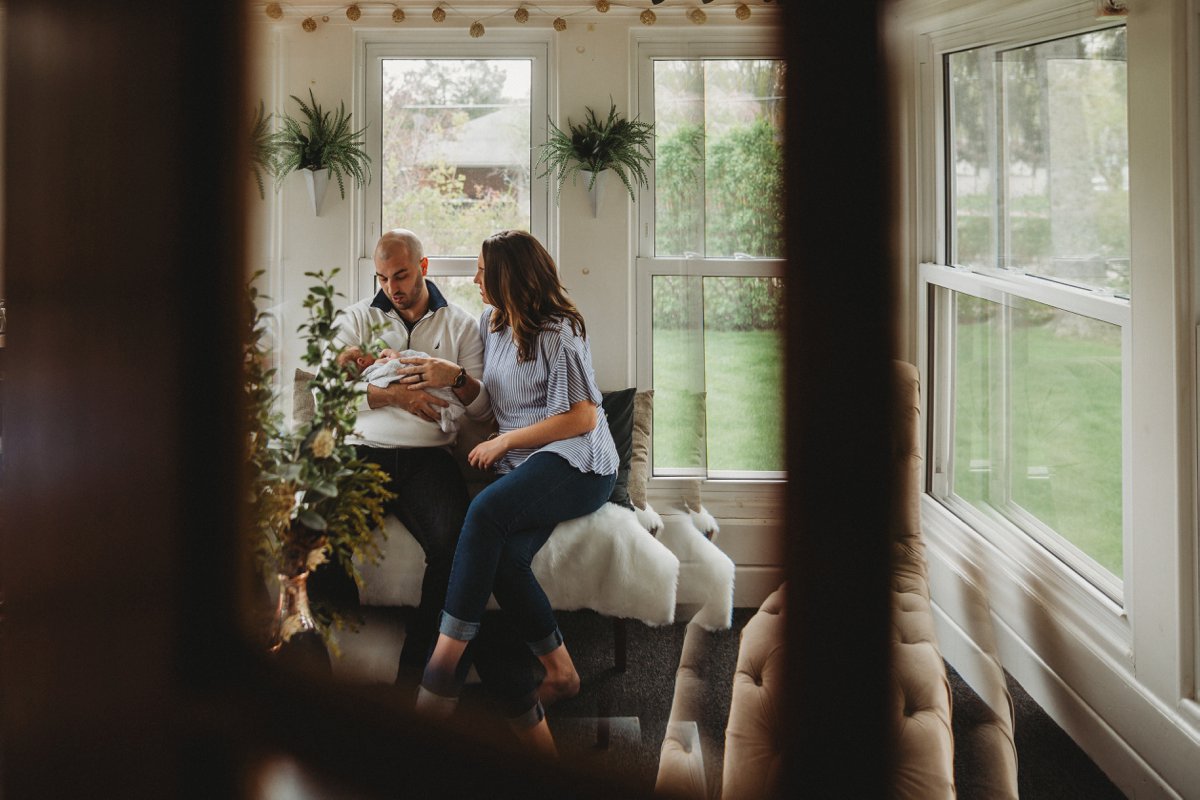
[920,689]
[920,692]
[753,737]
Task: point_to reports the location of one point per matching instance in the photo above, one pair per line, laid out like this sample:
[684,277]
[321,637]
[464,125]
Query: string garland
[442,10]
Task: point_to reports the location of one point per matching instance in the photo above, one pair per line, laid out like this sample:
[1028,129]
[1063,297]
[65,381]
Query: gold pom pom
[353,13]
[560,24]
[742,11]
[309,24]
[439,14]
[274,11]
[398,15]
[602,6]
[476,30]
[522,16]
[648,17]
[697,16]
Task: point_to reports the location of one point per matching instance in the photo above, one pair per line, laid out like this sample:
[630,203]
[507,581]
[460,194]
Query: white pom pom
[649,518]
[704,522]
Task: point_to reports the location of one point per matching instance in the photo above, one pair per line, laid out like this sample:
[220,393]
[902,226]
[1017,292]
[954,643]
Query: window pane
[1041,159]
[718,374]
[1042,437]
[456,149]
[461,291]
[678,363]
[743,362]
[719,158]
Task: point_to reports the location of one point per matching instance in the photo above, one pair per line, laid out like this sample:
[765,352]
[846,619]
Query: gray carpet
[637,703]
[1050,764]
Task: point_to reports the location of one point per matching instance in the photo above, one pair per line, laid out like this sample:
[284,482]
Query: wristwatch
[460,378]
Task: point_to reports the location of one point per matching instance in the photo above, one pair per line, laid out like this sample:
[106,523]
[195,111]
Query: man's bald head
[397,241]
[400,270]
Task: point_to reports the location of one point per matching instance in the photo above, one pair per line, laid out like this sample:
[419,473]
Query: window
[710,244]
[1031,310]
[451,140]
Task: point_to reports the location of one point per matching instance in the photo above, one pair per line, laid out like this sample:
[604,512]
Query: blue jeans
[431,500]
[506,524]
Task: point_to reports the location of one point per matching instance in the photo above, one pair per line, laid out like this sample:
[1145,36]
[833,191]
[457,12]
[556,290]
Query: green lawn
[742,380]
[1063,454]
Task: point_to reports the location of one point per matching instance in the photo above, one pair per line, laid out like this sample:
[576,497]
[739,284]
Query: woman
[554,453]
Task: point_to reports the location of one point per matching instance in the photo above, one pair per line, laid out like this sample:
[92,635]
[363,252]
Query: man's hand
[414,401]
[428,373]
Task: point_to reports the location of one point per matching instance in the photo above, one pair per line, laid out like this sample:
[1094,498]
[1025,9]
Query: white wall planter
[317,181]
[596,191]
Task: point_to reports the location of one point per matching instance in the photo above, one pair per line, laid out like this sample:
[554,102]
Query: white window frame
[754,44]
[1158,595]
[373,47]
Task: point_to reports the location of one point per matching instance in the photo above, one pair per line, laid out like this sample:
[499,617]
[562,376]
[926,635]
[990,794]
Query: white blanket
[605,561]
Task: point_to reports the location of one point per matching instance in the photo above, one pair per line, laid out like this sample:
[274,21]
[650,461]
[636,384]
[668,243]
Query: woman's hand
[428,373]
[488,452]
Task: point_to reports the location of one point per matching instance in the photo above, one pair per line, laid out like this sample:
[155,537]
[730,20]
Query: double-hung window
[1030,301]
[709,265]
[450,139]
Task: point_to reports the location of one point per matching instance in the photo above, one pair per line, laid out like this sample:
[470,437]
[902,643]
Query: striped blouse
[524,393]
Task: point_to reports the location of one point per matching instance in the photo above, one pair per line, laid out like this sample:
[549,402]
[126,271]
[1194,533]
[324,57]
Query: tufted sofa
[924,743]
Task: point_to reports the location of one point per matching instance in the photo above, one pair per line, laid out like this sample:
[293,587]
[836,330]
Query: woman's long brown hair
[522,284]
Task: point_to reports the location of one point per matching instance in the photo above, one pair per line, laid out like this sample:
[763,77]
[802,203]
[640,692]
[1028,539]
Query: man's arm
[470,357]
[414,401]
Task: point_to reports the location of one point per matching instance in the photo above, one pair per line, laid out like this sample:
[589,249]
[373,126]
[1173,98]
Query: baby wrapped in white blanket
[386,369]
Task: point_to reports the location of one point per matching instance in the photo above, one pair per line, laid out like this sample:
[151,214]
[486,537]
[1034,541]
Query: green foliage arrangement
[595,145]
[312,499]
[321,140]
[262,154]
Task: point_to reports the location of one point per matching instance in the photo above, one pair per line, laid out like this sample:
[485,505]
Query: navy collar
[436,299]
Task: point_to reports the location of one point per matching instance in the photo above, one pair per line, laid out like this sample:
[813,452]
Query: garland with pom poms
[354,13]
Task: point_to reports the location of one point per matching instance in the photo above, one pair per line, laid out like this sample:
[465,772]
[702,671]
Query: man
[398,426]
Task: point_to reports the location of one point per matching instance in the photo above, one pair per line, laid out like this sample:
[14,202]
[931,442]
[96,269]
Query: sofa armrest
[681,763]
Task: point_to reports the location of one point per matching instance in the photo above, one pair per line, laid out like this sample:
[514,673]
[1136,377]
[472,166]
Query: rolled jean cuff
[530,717]
[548,645]
[456,628]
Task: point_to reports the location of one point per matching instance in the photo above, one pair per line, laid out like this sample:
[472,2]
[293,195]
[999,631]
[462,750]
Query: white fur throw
[705,574]
[605,561]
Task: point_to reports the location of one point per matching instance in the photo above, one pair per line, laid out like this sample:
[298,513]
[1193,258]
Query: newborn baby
[386,369]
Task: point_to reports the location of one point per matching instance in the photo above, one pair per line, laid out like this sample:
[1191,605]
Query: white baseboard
[1131,773]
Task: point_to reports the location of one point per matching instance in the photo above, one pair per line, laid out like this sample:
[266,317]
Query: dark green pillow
[618,407]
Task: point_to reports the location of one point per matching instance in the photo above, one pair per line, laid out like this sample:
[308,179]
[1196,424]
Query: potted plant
[595,145]
[262,152]
[321,140]
[311,498]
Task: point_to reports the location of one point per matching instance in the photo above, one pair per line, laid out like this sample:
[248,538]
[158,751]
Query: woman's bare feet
[561,681]
[538,739]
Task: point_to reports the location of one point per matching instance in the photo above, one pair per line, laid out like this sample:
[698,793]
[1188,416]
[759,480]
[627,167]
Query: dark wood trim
[125,672]
[841,269]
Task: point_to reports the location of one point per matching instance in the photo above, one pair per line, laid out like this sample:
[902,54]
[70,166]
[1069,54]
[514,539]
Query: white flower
[315,559]
[322,444]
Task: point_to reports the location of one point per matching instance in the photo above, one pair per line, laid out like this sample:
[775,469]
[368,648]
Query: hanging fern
[321,140]
[262,153]
[616,143]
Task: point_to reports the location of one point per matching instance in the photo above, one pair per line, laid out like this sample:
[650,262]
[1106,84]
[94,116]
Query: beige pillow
[639,462]
[304,406]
